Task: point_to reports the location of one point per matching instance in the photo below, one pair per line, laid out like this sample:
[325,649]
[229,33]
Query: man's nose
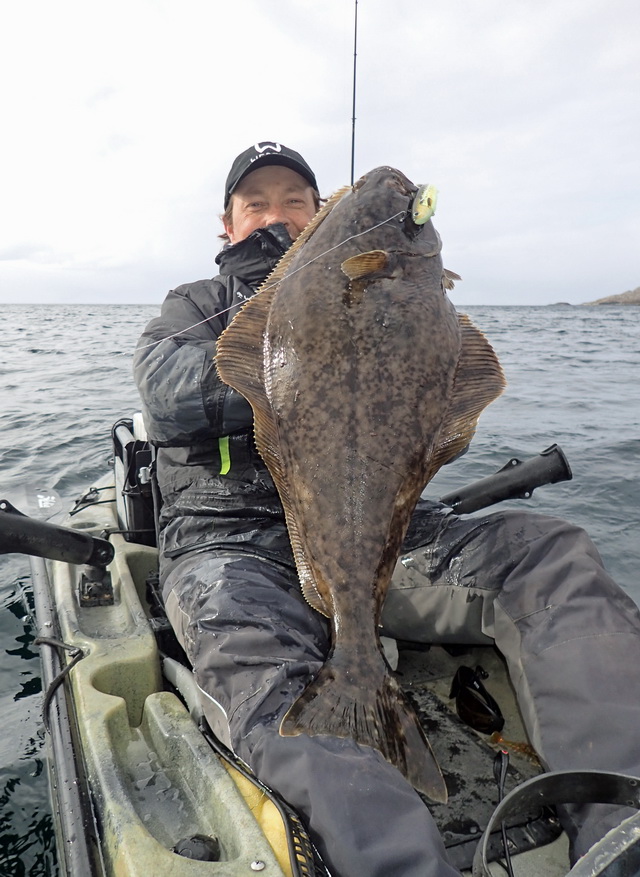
[277,214]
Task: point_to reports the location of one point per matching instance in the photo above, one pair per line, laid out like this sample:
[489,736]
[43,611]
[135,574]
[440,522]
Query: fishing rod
[353,113]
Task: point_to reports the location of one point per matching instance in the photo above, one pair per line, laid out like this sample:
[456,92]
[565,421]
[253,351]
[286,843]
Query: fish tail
[342,702]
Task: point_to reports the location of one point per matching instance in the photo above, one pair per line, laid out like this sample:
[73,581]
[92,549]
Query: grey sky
[121,120]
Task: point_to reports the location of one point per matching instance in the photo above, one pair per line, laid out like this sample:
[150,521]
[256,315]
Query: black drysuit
[533,585]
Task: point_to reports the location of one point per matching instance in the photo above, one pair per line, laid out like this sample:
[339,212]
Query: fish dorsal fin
[363,264]
[478,380]
[240,363]
[282,267]
[239,357]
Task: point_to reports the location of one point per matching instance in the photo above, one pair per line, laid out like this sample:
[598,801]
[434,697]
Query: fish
[364,380]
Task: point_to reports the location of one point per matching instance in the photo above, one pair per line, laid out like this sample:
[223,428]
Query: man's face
[268,195]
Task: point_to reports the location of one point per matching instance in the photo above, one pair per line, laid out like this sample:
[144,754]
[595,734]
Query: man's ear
[226,218]
[228,228]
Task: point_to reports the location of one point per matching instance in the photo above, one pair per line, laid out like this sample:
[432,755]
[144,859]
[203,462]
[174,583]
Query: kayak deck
[155,780]
[466,757]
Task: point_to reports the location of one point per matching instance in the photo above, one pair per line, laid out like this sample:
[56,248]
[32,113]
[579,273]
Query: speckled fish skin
[352,364]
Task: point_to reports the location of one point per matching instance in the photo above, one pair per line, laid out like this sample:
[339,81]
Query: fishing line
[345,241]
[192,326]
[264,288]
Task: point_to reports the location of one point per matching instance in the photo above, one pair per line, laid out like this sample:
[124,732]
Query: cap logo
[267,146]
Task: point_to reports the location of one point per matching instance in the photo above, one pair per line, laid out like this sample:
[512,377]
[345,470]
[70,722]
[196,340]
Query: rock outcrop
[625,298]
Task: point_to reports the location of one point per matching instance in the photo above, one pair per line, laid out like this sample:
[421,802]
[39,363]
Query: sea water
[65,378]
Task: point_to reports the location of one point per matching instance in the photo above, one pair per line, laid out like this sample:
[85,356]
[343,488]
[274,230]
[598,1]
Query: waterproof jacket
[216,490]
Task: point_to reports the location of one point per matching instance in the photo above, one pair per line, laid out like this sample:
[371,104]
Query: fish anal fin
[308,584]
[478,381]
[374,713]
[363,264]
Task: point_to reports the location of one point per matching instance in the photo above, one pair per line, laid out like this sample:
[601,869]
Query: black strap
[560,787]
[75,654]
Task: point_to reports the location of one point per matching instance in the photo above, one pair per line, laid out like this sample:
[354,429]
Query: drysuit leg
[535,586]
[255,644]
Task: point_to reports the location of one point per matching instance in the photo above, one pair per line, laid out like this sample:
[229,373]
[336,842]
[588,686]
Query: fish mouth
[395,180]
[411,228]
[421,200]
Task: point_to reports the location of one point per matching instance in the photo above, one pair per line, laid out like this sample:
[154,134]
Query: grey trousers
[533,585]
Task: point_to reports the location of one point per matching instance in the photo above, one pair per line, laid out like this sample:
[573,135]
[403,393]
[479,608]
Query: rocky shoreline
[625,298]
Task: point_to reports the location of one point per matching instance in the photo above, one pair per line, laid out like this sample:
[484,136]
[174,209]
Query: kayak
[139,784]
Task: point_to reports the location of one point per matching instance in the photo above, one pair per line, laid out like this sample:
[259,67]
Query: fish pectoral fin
[363,264]
[343,701]
[479,380]
[448,278]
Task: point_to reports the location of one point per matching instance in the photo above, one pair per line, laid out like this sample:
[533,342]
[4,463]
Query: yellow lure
[424,204]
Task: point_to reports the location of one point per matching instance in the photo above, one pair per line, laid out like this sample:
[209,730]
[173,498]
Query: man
[533,585]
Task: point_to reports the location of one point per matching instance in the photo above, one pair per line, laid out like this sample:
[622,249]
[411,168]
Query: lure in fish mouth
[363,381]
[424,203]
[422,207]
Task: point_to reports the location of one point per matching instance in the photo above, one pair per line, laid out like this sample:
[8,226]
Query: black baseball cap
[262,154]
